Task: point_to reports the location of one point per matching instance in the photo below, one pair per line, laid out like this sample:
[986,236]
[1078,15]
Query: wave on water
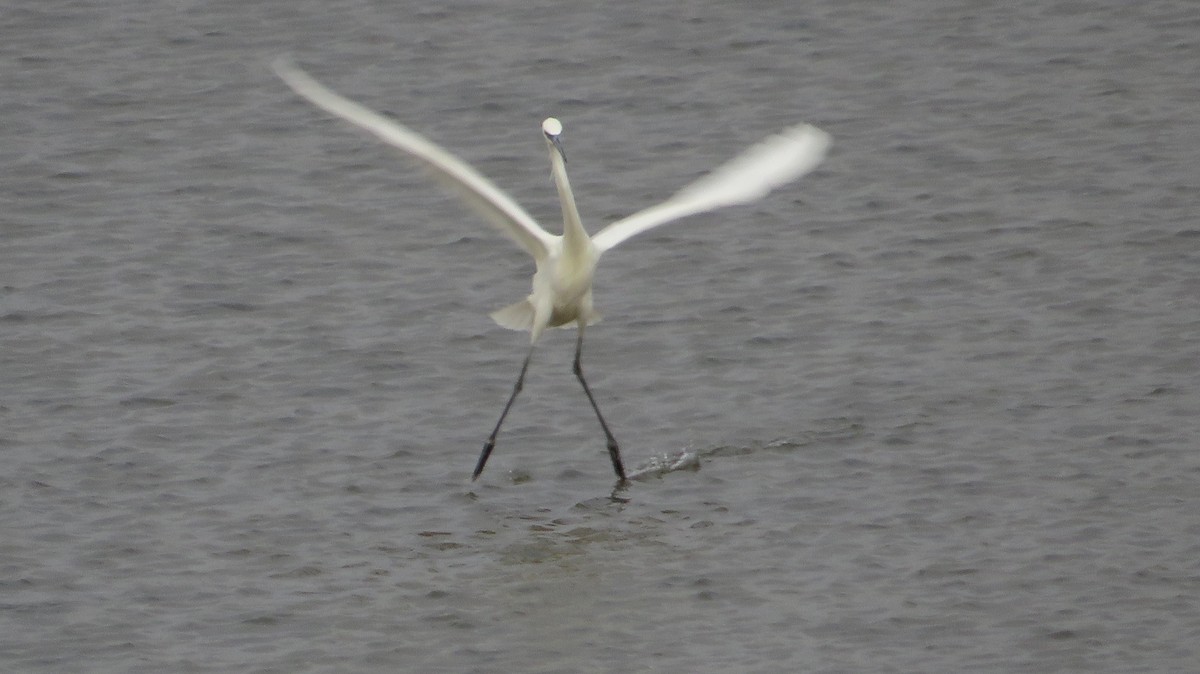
[659,465]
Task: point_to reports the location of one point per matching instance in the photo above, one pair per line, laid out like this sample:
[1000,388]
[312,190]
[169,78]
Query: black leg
[491,441]
[614,452]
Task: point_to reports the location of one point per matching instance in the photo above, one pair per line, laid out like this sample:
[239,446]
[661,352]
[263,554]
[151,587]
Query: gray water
[942,392]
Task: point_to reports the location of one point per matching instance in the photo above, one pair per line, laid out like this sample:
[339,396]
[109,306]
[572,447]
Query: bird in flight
[565,264]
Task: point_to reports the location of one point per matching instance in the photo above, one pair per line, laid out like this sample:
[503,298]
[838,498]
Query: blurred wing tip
[284,66]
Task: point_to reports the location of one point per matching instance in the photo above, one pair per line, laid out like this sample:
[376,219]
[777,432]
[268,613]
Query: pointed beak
[557,143]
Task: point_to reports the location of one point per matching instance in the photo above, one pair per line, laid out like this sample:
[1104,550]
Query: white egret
[562,284]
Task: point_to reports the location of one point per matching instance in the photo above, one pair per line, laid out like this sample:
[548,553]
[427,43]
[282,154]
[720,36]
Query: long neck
[575,237]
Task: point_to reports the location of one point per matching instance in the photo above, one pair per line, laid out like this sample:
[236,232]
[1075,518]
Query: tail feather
[517,316]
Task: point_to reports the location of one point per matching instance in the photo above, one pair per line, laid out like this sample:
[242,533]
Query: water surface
[943,391]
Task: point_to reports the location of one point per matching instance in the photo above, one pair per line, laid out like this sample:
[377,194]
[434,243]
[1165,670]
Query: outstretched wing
[468,184]
[773,162]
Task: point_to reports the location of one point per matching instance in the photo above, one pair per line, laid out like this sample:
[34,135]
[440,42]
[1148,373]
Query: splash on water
[657,466]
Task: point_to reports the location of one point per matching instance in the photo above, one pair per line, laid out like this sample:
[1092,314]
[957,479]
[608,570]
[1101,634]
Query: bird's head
[552,129]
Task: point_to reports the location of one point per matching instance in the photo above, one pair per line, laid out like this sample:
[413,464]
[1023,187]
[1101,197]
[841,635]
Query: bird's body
[562,284]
